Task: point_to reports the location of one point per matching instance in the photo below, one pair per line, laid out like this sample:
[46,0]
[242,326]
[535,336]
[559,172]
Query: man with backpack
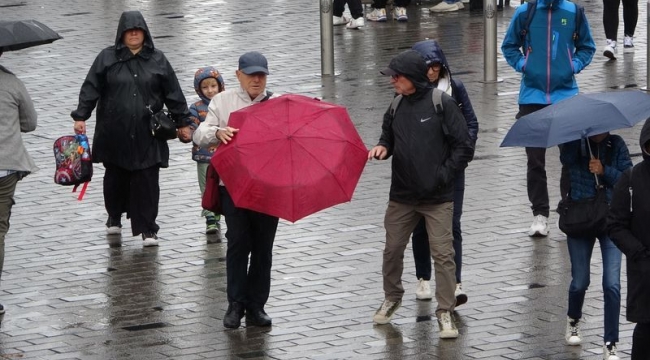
[427,137]
[548,42]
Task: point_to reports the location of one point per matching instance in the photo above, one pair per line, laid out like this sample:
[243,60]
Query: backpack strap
[530,12]
[436,98]
[268,95]
[580,14]
[394,104]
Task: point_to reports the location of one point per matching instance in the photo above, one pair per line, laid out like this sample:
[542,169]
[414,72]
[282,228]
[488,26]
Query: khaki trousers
[399,222]
[7,189]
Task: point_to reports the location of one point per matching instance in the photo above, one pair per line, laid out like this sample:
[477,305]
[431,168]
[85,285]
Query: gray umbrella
[21,34]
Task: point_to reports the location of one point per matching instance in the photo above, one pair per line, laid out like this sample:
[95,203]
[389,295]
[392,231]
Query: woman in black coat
[628,229]
[122,82]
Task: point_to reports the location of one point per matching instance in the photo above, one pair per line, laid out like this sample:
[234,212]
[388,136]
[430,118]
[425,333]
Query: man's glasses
[395,77]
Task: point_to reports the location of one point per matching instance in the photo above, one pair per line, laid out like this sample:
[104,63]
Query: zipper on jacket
[630,190]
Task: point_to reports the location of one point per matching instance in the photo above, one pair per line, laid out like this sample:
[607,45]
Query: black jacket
[628,230]
[122,134]
[427,148]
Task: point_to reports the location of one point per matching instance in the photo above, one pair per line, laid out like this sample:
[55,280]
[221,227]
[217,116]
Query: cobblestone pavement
[71,296]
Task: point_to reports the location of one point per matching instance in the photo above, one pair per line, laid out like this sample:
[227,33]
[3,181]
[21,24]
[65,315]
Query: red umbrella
[293,156]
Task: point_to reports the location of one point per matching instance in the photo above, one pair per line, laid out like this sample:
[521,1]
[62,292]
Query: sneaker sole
[538,234]
[448,335]
[573,343]
[610,55]
[112,231]
[423,298]
[211,231]
[386,320]
[149,243]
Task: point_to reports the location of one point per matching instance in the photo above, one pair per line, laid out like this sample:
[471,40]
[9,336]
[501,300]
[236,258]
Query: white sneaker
[572,335]
[461,297]
[448,329]
[340,20]
[610,49]
[628,44]
[539,226]
[609,351]
[356,23]
[113,230]
[149,239]
[447,7]
[377,15]
[423,291]
[386,311]
[399,14]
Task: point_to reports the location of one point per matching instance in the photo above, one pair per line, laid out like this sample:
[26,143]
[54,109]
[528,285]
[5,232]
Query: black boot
[257,317]
[232,319]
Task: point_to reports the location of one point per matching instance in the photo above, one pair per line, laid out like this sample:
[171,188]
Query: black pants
[134,192]
[610,17]
[641,342]
[380,4]
[356,8]
[249,233]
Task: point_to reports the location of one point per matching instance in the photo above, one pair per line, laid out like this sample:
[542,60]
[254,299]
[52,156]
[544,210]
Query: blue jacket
[199,109]
[550,57]
[575,155]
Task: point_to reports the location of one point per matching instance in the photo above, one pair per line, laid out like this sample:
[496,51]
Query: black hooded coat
[123,134]
[427,148]
[628,228]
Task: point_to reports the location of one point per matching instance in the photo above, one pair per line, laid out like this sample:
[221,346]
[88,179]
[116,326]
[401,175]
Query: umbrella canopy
[292,157]
[580,116]
[21,34]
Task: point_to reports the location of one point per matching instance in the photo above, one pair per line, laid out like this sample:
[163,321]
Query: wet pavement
[71,296]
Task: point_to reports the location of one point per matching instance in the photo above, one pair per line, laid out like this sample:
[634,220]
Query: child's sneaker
[378,15]
[211,225]
[399,14]
[628,44]
[610,49]
[356,23]
[340,20]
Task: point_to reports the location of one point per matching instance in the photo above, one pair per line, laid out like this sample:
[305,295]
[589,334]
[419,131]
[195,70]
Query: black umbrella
[21,34]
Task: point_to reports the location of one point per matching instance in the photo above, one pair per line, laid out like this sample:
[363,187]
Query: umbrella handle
[591,156]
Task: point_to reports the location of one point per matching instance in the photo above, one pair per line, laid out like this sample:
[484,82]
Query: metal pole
[490,41]
[647,56]
[326,38]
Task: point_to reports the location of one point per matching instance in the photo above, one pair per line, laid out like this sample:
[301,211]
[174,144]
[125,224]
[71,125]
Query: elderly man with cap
[428,146]
[250,233]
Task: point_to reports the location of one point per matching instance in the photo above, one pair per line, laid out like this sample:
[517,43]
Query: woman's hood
[132,20]
[204,73]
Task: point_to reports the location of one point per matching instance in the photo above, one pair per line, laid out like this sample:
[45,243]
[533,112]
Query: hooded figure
[199,109]
[427,147]
[121,84]
[628,228]
[128,82]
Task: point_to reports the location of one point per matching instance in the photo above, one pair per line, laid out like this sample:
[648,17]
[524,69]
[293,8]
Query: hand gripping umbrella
[579,117]
[293,156]
[21,34]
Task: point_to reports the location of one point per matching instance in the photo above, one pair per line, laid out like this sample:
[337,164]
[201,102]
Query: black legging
[641,342]
[356,8]
[610,17]
[378,4]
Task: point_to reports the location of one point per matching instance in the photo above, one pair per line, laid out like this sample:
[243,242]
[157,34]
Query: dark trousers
[356,8]
[610,17]
[420,239]
[7,189]
[536,169]
[249,233]
[379,4]
[641,342]
[134,192]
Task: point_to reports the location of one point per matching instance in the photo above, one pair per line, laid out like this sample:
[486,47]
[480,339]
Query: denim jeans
[421,253]
[580,250]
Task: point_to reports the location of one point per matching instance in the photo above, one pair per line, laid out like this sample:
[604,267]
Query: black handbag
[584,217]
[163,126]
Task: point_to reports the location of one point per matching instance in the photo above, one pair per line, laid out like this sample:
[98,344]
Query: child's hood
[204,73]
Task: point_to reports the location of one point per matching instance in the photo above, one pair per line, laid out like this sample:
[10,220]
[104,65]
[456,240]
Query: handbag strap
[137,84]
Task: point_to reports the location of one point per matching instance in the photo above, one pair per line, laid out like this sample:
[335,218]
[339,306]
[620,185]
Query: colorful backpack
[73,162]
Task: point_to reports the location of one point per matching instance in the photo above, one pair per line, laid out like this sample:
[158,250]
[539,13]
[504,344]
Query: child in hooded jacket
[207,83]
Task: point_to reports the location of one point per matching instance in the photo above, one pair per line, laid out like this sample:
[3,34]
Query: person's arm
[511,46]
[205,134]
[585,47]
[570,152]
[173,96]
[468,110]
[457,137]
[90,90]
[619,220]
[26,112]
[621,161]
